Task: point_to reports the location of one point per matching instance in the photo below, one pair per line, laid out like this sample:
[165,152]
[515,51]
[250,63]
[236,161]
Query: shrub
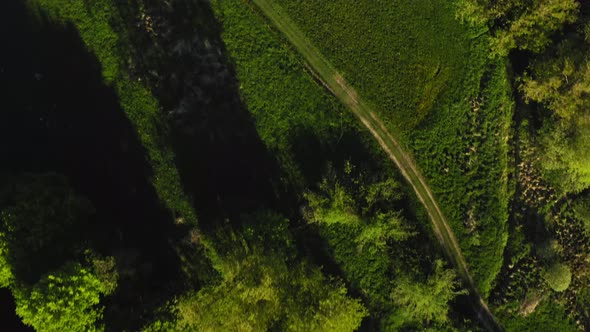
[558,276]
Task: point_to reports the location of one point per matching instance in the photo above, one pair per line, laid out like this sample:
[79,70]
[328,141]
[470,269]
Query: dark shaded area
[9,321]
[58,116]
[224,165]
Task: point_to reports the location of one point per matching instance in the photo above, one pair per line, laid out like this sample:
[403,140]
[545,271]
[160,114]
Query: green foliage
[532,29]
[66,300]
[523,25]
[247,300]
[467,167]
[382,192]
[336,206]
[101,28]
[560,81]
[6,276]
[581,210]
[473,12]
[336,311]
[263,288]
[433,84]
[372,265]
[386,227]
[548,316]
[289,108]
[267,292]
[105,271]
[563,164]
[40,220]
[401,70]
[558,276]
[367,269]
[426,302]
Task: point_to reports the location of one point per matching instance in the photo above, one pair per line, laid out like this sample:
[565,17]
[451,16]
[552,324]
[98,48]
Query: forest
[186,165]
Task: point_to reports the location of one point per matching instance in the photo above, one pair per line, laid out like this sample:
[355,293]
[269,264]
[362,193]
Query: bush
[558,276]
[66,300]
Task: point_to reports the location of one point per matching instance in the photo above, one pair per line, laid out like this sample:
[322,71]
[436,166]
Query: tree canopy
[56,282]
[263,286]
[427,302]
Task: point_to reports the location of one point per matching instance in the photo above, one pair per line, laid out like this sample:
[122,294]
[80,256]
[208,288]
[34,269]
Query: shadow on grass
[57,115]
[223,164]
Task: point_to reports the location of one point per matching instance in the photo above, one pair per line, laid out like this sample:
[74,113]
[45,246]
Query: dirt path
[334,82]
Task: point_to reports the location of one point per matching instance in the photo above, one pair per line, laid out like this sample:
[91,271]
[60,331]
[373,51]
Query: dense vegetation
[321,142]
[227,273]
[546,280]
[98,23]
[432,83]
[125,122]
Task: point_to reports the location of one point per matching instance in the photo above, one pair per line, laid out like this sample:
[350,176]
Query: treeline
[113,244]
[548,42]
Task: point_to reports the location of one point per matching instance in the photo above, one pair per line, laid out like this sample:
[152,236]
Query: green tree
[426,303]
[560,82]
[263,286]
[336,206]
[41,219]
[383,228]
[320,304]
[248,299]
[558,276]
[66,300]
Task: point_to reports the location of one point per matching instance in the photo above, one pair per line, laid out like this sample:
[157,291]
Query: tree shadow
[8,318]
[58,115]
[177,48]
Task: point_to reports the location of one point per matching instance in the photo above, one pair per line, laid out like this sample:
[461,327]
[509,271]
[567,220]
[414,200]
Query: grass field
[421,86]
[100,28]
[303,126]
[431,82]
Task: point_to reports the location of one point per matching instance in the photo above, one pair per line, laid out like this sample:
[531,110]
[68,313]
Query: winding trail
[334,82]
